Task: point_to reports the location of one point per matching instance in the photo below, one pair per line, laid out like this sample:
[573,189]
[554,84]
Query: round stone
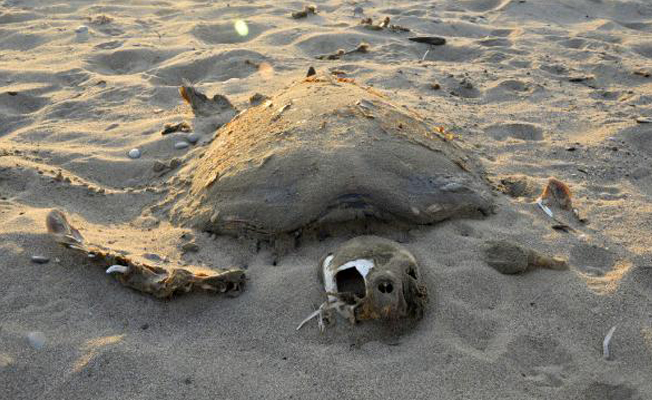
[134,153]
[193,138]
[181,145]
[81,30]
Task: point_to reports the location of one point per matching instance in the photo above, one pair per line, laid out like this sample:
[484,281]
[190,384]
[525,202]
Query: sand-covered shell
[322,152]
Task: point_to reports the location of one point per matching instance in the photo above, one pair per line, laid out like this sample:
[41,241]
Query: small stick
[605,343]
[425,55]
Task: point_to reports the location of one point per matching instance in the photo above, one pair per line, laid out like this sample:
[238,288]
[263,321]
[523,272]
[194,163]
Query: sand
[533,88]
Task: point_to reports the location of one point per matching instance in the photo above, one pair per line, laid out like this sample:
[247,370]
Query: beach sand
[530,88]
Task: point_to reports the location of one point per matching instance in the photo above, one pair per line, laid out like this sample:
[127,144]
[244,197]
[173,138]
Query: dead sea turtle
[323,153]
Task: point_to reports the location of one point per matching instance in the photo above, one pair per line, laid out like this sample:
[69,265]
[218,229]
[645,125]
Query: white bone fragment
[117,268]
[309,317]
[605,343]
[544,207]
[363,266]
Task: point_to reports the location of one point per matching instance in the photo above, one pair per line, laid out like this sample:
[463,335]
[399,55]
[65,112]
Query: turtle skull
[370,278]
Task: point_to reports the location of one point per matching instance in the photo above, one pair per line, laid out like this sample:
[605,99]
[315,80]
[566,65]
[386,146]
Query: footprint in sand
[516,130]
[507,90]
[644,49]
[21,41]
[591,259]
[541,360]
[227,33]
[127,61]
[16,103]
[214,68]
[481,5]
[607,391]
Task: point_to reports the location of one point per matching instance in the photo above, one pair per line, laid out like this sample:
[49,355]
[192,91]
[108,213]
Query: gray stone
[193,138]
[40,259]
[134,153]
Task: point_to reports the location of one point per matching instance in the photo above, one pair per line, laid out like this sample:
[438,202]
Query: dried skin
[160,282]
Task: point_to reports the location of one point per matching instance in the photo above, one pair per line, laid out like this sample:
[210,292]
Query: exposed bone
[605,343]
[151,279]
[392,283]
[544,208]
[121,269]
[510,258]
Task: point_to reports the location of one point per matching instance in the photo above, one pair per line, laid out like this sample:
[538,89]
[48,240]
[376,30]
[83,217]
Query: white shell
[117,268]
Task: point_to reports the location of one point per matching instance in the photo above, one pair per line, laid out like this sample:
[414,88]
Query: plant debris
[362,48]
[431,40]
[307,10]
[368,23]
[178,127]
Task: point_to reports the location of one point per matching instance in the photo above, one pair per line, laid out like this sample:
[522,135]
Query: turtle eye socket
[410,271]
[385,287]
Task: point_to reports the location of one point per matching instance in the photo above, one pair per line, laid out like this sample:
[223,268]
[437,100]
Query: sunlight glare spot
[241,27]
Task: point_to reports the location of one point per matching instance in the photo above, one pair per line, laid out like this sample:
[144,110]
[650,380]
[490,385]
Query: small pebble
[153,257]
[36,339]
[181,145]
[175,162]
[642,120]
[40,259]
[190,247]
[159,166]
[81,30]
[193,138]
[134,153]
